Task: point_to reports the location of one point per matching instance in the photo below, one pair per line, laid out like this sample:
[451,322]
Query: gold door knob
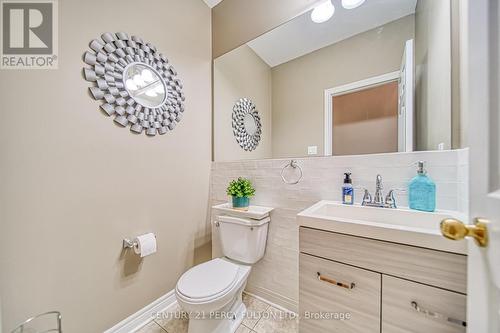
[457,230]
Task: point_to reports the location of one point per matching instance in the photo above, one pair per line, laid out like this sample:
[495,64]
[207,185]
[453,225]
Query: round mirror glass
[144,85]
[250,124]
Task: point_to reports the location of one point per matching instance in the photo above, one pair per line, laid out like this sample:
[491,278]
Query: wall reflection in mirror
[376,76]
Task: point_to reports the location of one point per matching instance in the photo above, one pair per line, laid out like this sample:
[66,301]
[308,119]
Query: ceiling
[301,36]
[212,3]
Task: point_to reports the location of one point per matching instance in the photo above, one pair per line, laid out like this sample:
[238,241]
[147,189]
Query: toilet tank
[242,239]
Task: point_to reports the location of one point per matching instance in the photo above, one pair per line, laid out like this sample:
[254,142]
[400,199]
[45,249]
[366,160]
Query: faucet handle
[367,197]
[390,199]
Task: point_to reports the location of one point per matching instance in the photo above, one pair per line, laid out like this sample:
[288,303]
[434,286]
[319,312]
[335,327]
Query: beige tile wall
[275,277]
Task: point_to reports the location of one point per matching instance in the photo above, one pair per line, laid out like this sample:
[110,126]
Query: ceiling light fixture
[351,4]
[323,12]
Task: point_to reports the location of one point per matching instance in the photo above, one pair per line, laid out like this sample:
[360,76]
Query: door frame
[344,89]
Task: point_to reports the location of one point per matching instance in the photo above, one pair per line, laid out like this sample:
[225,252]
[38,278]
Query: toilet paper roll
[145,245]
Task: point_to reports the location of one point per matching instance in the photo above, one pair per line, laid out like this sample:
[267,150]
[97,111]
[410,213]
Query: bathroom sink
[397,225]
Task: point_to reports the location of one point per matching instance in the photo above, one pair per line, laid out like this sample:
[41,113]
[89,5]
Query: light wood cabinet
[346,300]
[435,268]
[416,308]
[396,287]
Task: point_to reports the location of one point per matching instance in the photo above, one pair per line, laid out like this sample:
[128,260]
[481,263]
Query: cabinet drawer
[357,297]
[399,315]
[436,268]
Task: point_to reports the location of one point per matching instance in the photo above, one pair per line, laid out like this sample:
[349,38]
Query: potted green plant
[241,190]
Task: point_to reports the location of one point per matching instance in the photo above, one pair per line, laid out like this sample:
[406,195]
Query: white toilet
[211,292]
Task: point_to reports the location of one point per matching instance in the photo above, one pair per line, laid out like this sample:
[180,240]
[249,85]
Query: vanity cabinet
[413,307]
[384,286]
[328,288]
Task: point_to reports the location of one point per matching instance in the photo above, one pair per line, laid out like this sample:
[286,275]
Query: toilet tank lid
[243,221]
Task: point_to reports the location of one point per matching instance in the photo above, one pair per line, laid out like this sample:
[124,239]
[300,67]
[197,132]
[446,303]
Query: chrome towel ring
[293,164]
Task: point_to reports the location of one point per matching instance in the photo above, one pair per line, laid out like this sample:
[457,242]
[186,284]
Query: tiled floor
[261,318]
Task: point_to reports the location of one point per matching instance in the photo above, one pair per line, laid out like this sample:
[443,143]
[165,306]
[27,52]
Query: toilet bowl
[211,292]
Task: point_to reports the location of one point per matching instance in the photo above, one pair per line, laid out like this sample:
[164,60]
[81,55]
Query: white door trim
[407,123]
[344,89]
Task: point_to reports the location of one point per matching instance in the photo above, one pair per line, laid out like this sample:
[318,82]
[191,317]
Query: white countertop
[398,225]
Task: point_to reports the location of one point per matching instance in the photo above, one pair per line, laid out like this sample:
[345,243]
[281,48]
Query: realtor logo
[29,34]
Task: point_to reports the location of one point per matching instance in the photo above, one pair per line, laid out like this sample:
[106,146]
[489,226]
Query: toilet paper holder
[129,244]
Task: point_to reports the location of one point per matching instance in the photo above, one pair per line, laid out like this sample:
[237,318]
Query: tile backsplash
[275,277]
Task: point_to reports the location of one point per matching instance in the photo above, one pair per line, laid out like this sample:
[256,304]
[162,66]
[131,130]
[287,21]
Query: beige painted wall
[73,184]
[240,74]
[299,85]
[433,74]
[235,22]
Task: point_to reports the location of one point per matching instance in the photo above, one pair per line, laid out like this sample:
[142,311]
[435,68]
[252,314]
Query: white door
[479,98]
[405,101]
[483,109]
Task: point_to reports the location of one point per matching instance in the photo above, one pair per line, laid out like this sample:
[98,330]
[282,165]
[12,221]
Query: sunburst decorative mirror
[247,127]
[135,83]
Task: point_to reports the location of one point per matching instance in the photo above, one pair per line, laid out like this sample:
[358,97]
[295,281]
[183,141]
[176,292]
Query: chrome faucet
[378,200]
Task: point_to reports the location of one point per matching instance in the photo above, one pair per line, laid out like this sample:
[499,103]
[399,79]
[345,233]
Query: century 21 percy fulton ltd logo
[29,34]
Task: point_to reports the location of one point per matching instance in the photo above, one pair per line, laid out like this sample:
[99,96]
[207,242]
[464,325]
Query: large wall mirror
[380,77]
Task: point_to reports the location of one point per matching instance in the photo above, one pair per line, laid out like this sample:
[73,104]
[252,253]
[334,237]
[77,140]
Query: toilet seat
[208,281]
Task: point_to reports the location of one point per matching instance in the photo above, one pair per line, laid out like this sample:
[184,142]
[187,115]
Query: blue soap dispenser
[347,190]
[422,191]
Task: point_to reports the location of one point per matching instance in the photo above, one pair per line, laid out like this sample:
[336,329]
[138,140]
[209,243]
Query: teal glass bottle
[422,191]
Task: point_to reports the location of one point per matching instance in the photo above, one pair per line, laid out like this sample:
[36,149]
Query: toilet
[211,293]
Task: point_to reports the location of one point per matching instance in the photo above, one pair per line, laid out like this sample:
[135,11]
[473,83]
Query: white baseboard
[274,305]
[277,300]
[145,315]
[142,317]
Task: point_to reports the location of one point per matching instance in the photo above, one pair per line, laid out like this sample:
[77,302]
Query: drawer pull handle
[437,315]
[339,284]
